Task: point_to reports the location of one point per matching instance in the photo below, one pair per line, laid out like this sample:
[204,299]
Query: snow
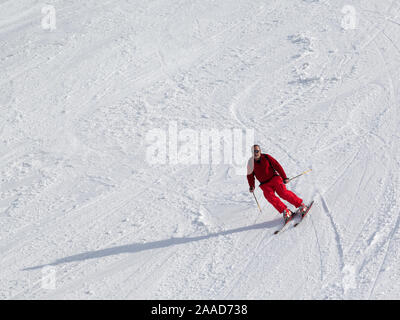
[87,211]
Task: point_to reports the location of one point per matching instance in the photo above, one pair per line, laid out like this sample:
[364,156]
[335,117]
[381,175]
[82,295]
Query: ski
[285,226]
[304,214]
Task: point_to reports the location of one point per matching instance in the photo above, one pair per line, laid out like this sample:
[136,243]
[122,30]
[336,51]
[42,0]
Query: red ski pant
[276,185]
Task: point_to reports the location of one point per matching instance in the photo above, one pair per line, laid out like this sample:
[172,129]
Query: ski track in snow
[78,193]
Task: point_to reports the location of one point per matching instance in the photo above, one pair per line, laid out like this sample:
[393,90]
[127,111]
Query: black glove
[285,180]
[251,189]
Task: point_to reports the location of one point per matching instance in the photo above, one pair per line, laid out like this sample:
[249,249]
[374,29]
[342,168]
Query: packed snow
[107,190]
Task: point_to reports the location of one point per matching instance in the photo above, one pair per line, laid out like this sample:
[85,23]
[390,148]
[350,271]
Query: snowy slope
[82,202]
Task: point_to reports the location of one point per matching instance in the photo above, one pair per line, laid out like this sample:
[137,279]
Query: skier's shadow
[137,247]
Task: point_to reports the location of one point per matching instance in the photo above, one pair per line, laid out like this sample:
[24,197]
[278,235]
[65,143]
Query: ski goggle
[256,151]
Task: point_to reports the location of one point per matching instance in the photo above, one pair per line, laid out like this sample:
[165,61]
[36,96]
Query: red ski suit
[271,181]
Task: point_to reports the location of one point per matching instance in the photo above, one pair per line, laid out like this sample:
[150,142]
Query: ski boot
[287,215]
[302,209]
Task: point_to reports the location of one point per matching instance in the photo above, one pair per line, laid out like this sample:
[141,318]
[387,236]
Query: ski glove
[251,189]
[285,181]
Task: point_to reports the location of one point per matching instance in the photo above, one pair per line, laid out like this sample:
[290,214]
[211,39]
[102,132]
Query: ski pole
[256,201]
[300,174]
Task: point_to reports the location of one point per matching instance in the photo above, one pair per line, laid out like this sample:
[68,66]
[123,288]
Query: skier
[272,179]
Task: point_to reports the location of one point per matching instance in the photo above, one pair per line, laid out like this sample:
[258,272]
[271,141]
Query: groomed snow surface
[85,213]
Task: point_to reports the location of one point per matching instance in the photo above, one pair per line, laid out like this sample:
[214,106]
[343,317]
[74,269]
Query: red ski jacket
[262,170]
